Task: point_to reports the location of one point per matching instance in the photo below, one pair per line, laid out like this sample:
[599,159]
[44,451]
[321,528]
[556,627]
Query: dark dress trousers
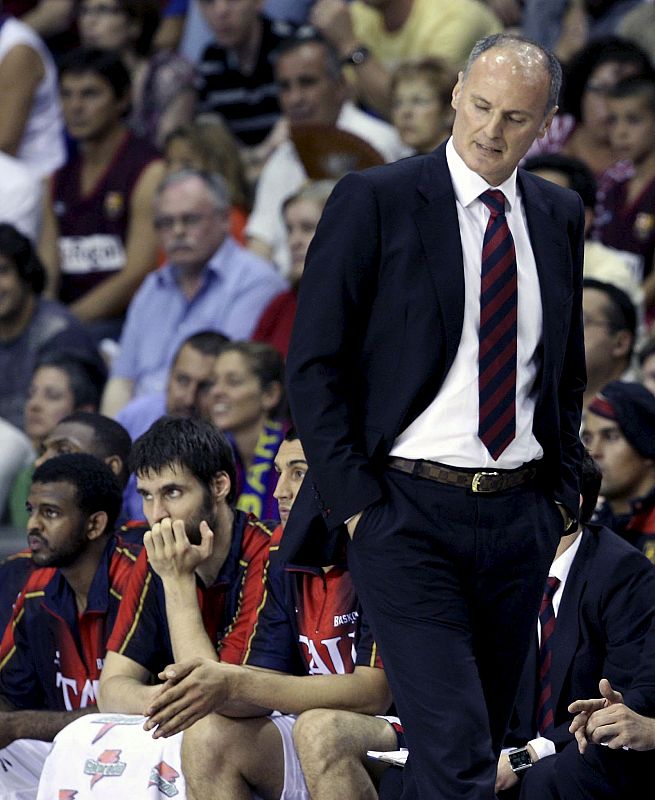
[451,581]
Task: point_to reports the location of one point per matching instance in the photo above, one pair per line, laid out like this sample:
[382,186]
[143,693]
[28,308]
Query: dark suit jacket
[606,609]
[379,321]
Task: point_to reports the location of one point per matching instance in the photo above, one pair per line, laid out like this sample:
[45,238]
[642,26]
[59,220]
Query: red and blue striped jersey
[228,607]
[51,655]
[311,623]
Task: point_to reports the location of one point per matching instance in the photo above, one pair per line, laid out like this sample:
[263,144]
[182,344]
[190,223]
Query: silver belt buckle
[475,483]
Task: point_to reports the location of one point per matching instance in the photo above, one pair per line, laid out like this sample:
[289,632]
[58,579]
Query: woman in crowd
[420,102]
[60,385]
[301,212]
[207,144]
[581,129]
[247,402]
[163,94]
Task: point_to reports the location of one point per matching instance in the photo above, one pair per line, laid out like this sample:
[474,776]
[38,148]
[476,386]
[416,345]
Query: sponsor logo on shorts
[107,765]
[163,776]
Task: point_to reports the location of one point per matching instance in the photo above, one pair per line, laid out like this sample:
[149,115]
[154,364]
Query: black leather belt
[483,481]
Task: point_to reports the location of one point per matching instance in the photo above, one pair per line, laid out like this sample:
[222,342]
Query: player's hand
[583,709]
[190,691]
[171,554]
[505,776]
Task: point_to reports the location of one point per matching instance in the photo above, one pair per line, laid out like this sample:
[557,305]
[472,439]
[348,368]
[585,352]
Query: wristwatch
[356,57]
[519,759]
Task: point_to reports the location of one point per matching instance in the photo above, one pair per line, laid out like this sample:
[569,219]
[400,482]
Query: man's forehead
[55,492]
[597,423]
[289,452]
[170,473]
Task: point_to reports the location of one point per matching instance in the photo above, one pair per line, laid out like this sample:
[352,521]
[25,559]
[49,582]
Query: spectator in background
[186,393]
[619,432]
[420,102]
[312,92]
[30,325]
[98,239]
[626,215]
[208,283]
[206,144]
[31,127]
[246,402]
[60,384]
[301,212]
[610,326]
[163,92]
[373,37]
[581,129]
[16,454]
[236,69]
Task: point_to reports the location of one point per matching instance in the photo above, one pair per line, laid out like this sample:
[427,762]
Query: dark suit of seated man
[603,608]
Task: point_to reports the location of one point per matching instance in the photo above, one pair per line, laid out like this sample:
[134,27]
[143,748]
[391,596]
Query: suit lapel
[566,634]
[438,226]
[551,251]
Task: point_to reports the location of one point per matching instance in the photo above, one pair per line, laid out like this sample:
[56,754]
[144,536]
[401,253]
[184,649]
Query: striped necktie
[497,345]
[545,718]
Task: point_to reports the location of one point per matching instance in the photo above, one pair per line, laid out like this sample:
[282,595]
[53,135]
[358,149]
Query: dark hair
[514,41]
[209,343]
[590,480]
[609,49]
[190,443]
[148,15]
[96,486]
[19,250]
[291,435]
[109,438]
[621,313]
[87,378]
[307,34]
[105,63]
[581,178]
[641,86]
[267,364]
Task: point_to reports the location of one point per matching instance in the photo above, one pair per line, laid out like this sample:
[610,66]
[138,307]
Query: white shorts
[295,787]
[108,756]
[21,764]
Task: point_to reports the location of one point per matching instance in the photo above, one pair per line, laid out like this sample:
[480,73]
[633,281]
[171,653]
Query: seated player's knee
[204,740]
[318,735]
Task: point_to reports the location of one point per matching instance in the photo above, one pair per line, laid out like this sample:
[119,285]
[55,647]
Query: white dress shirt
[447,431]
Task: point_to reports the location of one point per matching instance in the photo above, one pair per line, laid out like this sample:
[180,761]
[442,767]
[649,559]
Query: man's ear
[115,464]
[96,525]
[622,343]
[221,486]
[547,122]
[457,90]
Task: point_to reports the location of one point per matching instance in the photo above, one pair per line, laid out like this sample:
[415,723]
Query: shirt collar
[562,564]
[468,185]
[217,265]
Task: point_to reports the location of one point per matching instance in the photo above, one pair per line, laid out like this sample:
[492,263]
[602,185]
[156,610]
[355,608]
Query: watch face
[520,759]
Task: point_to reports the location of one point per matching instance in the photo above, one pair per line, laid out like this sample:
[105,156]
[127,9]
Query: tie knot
[551,587]
[494,200]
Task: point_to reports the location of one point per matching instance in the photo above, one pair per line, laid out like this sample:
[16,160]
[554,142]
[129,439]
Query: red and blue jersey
[229,606]
[311,623]
[51,655]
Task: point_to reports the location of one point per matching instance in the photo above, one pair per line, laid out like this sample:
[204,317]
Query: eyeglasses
[190,220]
[101,11]
[589,322]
